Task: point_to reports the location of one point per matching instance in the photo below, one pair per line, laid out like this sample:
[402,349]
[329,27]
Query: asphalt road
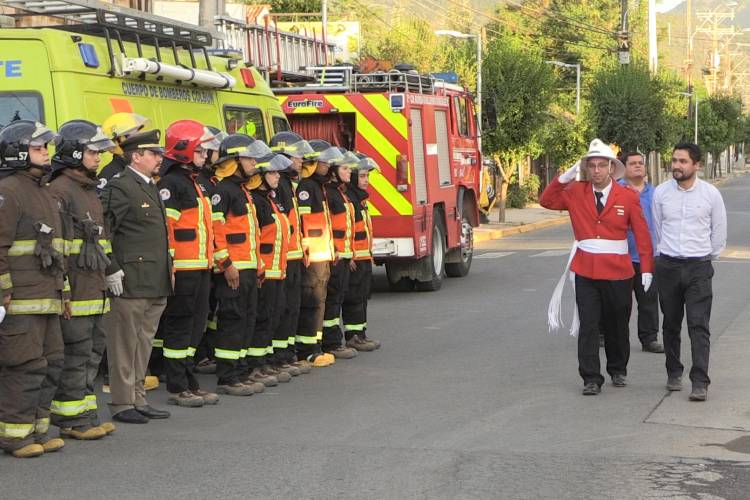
[469,398]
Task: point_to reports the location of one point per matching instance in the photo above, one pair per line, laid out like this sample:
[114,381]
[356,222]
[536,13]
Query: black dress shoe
[130,416]
[653,347]
[152,413]
[591,389]
[618,380]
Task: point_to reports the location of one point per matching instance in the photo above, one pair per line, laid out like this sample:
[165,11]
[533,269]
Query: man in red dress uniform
[601,211]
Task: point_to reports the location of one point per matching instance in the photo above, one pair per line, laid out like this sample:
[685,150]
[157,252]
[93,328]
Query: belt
[669,258]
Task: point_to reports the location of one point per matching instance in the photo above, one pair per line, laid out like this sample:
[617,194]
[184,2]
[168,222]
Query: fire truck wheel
[465,252]
[435,262]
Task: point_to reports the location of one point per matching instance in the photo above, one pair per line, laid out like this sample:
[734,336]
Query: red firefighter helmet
[184,137]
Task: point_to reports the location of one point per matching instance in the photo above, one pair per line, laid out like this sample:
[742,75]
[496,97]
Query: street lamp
[458,34]
[577,66]
[693,94]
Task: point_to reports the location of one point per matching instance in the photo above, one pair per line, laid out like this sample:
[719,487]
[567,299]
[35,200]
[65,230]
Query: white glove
[570,174]
[2,313]
[646,279]
[114,282]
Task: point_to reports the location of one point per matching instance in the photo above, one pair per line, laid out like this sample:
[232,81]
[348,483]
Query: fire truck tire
[465,253]
[435,262]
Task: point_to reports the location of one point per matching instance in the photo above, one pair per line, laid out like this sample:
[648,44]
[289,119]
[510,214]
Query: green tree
[519,88]
[719,126]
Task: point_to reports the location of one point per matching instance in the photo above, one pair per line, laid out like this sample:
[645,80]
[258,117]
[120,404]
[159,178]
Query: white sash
[599,246]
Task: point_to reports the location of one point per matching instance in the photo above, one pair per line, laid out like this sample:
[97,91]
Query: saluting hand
[570,174]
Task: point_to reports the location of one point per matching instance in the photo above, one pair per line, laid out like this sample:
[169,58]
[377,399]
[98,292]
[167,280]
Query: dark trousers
[31,359]
[206,347]
[335,293]
[269,302]
[286,332]
[73,398]
[685,291]
[98,349]
[606,303]
[354,308]
[183,324]
[235,324]
[312,308]
[648,308]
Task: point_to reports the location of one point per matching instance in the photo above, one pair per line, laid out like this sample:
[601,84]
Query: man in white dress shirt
[691,230]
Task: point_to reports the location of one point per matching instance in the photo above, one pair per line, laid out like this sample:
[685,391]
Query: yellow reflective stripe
[227,354]
[158,343]
[68,408]
[389,193]
[256,351]
[174,214]
[217,217]
[291,340]
[41,426]
[356,327]
[66,284]
[276,263]
[303,339]
[273,273]
[328,323]
[171,252]
[74,246]
[5,281]
[243,353]
[279,344]
[361,253]
[91,402]
[35,306]
[381,103]
[202,236]
[26,247]
[106,246]
[319,335]
[175,353]
[252,219]
[15,431]
[220,255]
[245,264]
[190,264]
[305,210]
[191,352]
[89,307]
[212,324]
[269,349]
[295,254]
[349,218]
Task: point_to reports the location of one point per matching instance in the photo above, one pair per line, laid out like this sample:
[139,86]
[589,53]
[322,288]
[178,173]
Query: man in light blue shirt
[648,301]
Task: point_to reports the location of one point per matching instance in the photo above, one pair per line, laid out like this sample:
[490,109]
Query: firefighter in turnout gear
[274,244]
[191,243]
[119,127]
[342,226]
[354,308]
[207,180]
[34,292]
[73,183]
[238,263]
[295,148]
[317,244]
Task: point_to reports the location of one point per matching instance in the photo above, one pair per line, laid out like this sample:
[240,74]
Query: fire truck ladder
[118,24]
[346,79]
[279,54]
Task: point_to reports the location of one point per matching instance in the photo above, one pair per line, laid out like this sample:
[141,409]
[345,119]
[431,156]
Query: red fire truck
[422,132]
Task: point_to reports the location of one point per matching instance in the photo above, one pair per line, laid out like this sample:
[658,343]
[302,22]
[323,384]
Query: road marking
[492,255]
[552,253]
[737,254]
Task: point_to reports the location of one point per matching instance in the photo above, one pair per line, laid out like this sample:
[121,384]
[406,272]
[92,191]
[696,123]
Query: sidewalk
[518,220]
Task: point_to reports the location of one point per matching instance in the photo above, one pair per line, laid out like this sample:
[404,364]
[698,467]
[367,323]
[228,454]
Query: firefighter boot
[209,398]
[360,343]
[150,383]
[257,375]
[28,451]
[281,376]
[236,389]
[108,427]
[321,360]
[290,369]
[52,445]
[304,366]
[205,366]
[83,433]
[343,352]
[186,399]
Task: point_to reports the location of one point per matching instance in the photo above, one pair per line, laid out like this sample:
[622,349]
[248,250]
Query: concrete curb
[487,234]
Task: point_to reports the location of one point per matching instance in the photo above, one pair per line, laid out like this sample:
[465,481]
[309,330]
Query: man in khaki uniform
[32,267]
[139,276]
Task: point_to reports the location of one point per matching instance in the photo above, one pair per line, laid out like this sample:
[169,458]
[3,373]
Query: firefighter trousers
[337,287]
[183,324]
[312,308]
[74,399]
[284,340]
[236,314]
[206,347]
[98,348]
[31,359]
[354,308]
[270,302]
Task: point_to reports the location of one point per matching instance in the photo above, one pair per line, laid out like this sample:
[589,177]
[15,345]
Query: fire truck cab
[422,133]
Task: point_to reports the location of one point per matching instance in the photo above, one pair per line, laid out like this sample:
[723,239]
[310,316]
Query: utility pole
[623,42]
[653,51]
[207,10]
[713,25]
[689,58]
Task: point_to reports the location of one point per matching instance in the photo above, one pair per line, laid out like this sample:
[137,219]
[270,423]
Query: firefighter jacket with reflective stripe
[362,245]
[191,237]
[26,207]
[82,212]
[342,219]
[274,234]
[317,240]
[286,198]
[207,182]
[236,230]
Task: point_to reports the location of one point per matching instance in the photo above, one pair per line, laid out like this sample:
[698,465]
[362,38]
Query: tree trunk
[503,198]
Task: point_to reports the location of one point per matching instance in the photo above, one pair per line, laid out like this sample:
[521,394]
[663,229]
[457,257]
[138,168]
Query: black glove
[50,259]
[92,254]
